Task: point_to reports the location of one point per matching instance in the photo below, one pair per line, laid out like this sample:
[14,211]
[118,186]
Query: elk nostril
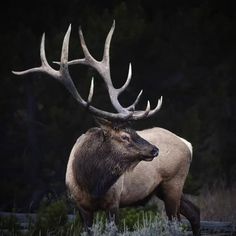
[155,151]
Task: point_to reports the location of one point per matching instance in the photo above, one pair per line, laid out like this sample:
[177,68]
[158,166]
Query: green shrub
[131,217]
[9,225]
[74,227]
[51,219]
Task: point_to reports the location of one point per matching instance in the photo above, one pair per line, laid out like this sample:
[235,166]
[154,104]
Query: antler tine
[126,84]
[106,53]
[88,60]
[132,107]
[45,67]
[157,108]
[42,53]
[65,50]
[64,75]
[147,113]
[91,90]
[147,110]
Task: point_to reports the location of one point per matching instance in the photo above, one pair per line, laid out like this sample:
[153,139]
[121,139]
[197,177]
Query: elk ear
[103,123]
[108,125]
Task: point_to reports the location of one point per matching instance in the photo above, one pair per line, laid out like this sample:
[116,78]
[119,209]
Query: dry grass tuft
[218,203]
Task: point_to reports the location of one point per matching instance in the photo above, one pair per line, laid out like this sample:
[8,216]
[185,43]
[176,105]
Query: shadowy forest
[183,50]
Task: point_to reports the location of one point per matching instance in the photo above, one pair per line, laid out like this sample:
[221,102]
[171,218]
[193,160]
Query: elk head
[119,143]
[106,153]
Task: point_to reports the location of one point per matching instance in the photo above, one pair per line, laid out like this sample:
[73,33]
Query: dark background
[184,50]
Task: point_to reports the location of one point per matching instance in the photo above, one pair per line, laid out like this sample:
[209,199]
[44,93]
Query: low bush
[52,220]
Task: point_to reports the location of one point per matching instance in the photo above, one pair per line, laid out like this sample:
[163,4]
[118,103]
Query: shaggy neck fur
[97,166]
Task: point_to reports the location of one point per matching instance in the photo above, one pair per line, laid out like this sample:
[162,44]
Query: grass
[218,203]
[148,227]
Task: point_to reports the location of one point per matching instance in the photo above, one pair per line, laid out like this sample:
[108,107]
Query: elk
[112,165]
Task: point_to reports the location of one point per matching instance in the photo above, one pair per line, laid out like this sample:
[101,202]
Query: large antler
[103,68]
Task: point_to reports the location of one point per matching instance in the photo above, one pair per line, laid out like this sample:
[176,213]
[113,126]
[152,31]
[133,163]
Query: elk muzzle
[154,151]
[151,155]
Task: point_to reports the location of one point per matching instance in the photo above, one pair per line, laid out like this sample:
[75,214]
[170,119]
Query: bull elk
[112,165]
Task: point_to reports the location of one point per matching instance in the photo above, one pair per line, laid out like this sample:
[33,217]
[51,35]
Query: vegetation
[222,202]
[53,220]
[9,225]
[217,203]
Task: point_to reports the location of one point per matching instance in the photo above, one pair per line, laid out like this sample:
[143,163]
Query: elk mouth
[154,153]
[147,158]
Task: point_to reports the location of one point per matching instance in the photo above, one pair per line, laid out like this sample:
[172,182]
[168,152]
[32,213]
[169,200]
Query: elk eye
[125,137]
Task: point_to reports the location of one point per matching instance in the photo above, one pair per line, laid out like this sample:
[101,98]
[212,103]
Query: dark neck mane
[96,167]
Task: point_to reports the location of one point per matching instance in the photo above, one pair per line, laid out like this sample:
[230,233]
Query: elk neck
[97,166]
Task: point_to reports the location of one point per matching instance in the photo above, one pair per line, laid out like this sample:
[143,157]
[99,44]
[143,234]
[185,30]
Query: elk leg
[172,208]
[171,198]
[192,213]
[113,215]
[87,219]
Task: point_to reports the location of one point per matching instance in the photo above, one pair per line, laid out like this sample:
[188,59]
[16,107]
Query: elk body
[120,181]
[112,165]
